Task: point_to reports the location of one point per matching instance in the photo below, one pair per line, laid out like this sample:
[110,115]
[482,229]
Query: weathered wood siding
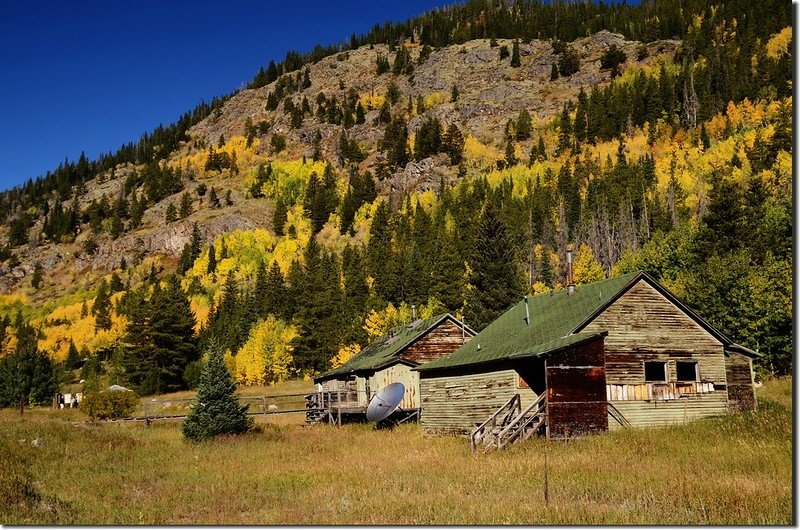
[456,404]
[576,391]
[443,339]
[741,394]
[643,325]
[661,413]
[656,391]
[398,373]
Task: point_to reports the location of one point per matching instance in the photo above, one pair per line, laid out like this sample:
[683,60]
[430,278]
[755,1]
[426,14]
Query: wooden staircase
[510,423]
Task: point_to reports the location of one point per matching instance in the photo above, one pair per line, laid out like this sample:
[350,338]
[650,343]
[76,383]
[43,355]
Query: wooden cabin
[391,357]
[618,352]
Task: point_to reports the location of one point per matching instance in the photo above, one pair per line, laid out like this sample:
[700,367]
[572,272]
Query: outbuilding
[390,359]
[619,352]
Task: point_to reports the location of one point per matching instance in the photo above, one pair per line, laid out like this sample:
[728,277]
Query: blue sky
[90,75]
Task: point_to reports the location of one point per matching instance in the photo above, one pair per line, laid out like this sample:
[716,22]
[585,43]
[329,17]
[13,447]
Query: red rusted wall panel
[576,391]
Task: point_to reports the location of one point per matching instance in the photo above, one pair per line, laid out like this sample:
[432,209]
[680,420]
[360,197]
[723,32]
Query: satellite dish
[385,401]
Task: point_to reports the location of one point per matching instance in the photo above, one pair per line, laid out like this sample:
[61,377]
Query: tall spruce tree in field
[216,410]
[496,281]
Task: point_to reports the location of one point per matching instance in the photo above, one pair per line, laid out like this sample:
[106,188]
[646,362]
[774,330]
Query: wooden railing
[525,424]
[497,420]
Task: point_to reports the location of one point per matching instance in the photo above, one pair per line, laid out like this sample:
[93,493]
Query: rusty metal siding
[454,405]
[644,325]
[576,391]
[741,394]
[442,340]
[671,412]
[398,373]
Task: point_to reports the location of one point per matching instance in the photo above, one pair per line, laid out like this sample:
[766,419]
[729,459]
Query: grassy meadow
[735,469]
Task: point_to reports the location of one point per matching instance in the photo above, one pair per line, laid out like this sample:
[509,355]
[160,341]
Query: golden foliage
[585,268]
[372,101]
[65,323]
[246,157]
[480,156]
[779,43]
[345,354]
[378,323]
[267,354]
[289,179]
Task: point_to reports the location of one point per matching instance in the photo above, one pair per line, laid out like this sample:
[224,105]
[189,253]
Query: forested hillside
[445,163]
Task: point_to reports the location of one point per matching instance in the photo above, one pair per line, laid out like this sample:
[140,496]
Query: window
[687,371]
[655,371]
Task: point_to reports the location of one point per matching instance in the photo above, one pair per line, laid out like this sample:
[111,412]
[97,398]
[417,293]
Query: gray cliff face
[490,93]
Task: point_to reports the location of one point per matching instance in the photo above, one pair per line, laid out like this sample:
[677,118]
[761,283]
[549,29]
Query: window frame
[666,372]
[696,372]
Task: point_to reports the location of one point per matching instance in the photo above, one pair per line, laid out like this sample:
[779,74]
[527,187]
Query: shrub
[110,404]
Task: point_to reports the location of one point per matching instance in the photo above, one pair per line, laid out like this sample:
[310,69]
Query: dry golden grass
[735,469]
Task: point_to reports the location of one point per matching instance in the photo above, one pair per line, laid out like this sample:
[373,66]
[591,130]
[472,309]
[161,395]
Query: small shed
[618,352]
[392,356]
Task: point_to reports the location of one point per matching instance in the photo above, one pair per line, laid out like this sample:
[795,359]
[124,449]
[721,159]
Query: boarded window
[655,371]
[686,371]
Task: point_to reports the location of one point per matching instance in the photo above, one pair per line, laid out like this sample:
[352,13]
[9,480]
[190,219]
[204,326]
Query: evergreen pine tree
[554,72]
[510,156]
[26,375]
[191,250]
[36,277]
[186,205]
[279,216]
[115,285]
[102,308]
[515,62]
[361,115]
[171,324]
[171,214]
[212,260]
[453,144]
[495,279]
[73,359]
[523,125]
[705,138]
[448,275]
[216,410]
[276,294]
[454,94]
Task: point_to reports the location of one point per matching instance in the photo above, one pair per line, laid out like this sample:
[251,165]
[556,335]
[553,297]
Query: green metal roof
[386,349]
[554,318]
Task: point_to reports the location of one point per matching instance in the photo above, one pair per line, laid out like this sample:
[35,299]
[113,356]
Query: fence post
[264,404]
[146,414]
